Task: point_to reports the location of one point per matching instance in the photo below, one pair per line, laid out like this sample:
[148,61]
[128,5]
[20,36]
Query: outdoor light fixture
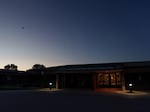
[50,85]
[130,87]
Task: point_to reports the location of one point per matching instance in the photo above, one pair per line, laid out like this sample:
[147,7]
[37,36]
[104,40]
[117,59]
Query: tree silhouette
[7,67]
[38,67]
[10,67]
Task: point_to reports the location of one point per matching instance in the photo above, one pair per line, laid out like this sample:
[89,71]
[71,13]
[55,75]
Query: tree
[38,67]
[10,67]
[7,67]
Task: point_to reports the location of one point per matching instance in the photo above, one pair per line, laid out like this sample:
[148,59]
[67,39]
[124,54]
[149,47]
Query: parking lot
[71,101]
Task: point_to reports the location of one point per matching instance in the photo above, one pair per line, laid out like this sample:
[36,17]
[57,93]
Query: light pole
[130,87]
[43,79]
[50,85]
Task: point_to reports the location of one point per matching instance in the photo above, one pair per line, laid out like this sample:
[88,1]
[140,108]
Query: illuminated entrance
[109,80]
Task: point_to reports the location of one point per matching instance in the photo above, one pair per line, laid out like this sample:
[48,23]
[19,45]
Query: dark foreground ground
[70,101]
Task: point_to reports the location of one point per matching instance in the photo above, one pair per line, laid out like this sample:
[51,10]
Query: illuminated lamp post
[50,85]
[130,87]
[43,79]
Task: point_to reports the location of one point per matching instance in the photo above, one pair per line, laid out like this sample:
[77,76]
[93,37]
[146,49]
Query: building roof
[10,72]
[100,66]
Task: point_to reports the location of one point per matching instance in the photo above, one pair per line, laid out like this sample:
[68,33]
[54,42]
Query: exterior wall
[62,81]
[94,81]
[86,80]
[75,80]
[123,81]
[140,81]
[11,79]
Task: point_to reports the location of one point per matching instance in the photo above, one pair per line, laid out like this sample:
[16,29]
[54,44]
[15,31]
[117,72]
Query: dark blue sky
[60,32]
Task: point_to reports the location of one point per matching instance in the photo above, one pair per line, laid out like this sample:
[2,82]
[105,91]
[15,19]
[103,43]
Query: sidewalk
[134,93]
[48,89]
[103,91]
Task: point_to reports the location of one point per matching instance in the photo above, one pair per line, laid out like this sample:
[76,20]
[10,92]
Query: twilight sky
[60,32]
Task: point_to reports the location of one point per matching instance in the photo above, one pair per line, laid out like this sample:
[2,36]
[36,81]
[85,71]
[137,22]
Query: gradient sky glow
[60,32]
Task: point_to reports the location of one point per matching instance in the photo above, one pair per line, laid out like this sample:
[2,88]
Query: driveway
[70,101]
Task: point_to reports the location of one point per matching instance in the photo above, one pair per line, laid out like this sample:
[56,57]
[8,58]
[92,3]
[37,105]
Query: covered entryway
[75,80]
[109,80]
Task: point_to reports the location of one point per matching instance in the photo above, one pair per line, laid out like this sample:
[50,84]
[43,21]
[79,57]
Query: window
[108,79]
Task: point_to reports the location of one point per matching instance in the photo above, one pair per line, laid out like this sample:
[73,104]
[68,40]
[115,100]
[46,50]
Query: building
[106,75]
[11,78]
[83,76]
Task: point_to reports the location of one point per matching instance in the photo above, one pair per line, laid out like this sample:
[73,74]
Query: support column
[57,81]
[123,82]
[94,81]
[64,82]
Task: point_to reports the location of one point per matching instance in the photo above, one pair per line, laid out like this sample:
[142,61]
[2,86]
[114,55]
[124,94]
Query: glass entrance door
[112,79]
[109,80]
